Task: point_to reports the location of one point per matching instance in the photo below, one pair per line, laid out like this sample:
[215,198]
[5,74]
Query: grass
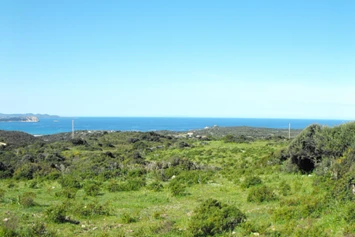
[303,208]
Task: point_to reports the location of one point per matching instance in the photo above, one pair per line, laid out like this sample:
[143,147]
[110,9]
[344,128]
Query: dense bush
[155,186]
[92,209]
[177,189]
[69,193]
[261,194]
[132,184]
[251,181]
[316,143]
[284,188]
[92,188]
[2,194]
[56,214]
[38,229]
[68,181]
[127,218]
[213,217]
[27,199]
[26,171]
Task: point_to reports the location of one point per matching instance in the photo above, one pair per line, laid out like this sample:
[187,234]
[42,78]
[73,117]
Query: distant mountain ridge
[28,115]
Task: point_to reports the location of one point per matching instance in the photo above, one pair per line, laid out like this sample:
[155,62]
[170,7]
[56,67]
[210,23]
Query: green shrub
[113,186]
[33,184]
[2,194]
[92,188]
[9,226]
[69,193]
[350,213]
[38,229]
[136,173]
[285,188]
[177,189]
[166,174]
[213,217]
[155,186]
[228,138]
[93,209]
[261,194]
[57,214]
[132,184]
[26,199]
[53,175]
[127,218]
[25,172]
[192,177]
[251,181]
[68,181]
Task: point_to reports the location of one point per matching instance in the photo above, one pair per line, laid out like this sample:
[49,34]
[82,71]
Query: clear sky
[246,58]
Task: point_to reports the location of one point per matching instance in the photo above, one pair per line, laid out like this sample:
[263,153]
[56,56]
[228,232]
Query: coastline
[48,126]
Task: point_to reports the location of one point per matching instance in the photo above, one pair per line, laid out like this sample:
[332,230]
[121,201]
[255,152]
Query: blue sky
[260,59]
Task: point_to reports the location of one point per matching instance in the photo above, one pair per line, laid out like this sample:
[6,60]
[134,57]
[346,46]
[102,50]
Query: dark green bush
[132,184]
[56,214]
[192,177]
[251,181]
[350,213]
[113,186]
[68,181]
[69,193]
[38,229]
[228,138]
[261,194]
[92,188]
[93,209]
[177,188]
[166,174]
[136,173]
[155,186]
[10,226]
[213,217]
[2,194]
[285,188]
[26,171]
[33,184]
[127,218]
[27,199]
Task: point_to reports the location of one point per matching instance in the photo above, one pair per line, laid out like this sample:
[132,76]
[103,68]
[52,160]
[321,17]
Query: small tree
[213,217]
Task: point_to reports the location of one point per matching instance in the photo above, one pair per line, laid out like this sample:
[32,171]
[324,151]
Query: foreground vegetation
[149,184]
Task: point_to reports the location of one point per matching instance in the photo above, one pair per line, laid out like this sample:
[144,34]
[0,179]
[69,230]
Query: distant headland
[30,118]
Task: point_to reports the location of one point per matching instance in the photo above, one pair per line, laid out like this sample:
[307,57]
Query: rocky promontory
[29,119]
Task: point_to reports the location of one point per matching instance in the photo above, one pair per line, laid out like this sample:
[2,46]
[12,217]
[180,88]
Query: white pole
[72,129]
[289,131]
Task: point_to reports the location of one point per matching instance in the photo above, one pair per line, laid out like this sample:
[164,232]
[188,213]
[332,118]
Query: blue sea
[64,124]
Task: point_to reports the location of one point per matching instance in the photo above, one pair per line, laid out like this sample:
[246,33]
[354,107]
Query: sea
[64,124]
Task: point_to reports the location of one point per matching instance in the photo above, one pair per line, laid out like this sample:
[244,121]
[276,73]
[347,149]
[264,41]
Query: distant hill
[28,115]
[13,139]
[219,132]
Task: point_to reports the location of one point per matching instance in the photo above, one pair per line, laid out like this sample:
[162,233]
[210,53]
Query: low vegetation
[165,184]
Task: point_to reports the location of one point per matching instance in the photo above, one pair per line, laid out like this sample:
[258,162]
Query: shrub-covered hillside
[320,147]
[151,184]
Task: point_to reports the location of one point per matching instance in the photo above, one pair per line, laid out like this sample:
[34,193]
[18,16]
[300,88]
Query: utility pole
[72,129]
[289,131]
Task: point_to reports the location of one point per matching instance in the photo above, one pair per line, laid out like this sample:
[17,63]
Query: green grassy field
[158,192]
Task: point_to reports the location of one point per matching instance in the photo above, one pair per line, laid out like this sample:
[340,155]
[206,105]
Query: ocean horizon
[48,126]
